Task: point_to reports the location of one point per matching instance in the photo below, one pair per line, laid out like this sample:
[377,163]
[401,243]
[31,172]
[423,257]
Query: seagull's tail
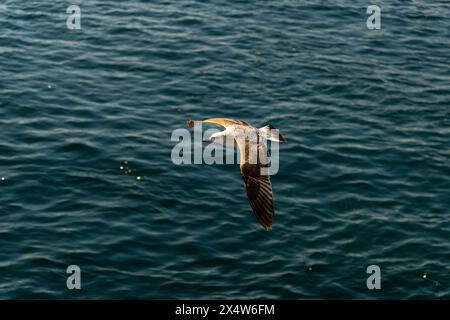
[271,133]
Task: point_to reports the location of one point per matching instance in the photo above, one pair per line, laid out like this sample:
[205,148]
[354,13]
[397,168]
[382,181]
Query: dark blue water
[364,178]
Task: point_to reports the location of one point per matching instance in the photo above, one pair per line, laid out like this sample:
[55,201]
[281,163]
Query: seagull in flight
[254,161]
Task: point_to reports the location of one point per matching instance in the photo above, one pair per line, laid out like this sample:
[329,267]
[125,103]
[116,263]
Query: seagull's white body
[252,143]
[249,139]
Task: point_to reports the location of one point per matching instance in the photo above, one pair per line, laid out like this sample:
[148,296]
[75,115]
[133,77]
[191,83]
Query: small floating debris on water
[424,276]
[49,86]
[310,269]
[3,179]
[128,170]
[124,167]
[258,54]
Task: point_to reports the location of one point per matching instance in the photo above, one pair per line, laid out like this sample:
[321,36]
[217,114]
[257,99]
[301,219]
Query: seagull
[252,143]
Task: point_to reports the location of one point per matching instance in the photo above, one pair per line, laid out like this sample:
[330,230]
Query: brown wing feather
[220,121]
[259,193]
[226,122]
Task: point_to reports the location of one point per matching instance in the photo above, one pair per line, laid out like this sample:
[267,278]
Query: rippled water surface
[364,178]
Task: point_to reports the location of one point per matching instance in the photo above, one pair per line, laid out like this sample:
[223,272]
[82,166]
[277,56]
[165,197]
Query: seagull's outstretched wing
[259,193]
[255,173]
[220,121]
[254,170]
